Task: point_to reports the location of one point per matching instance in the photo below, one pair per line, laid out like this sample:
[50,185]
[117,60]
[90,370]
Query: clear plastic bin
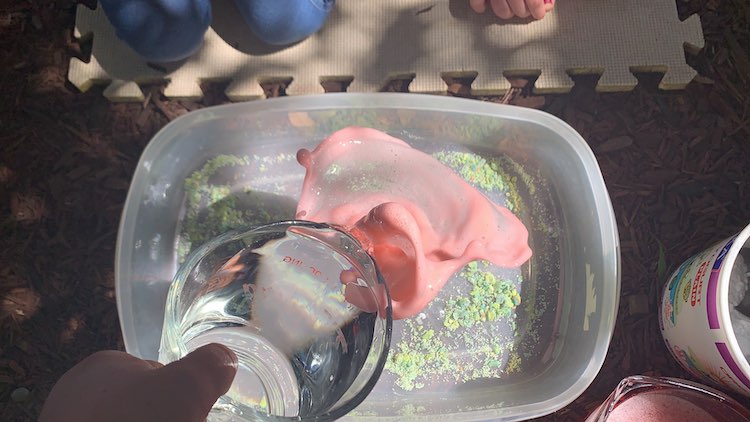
[529,363]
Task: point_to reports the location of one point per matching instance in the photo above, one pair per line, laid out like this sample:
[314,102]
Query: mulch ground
[677,165]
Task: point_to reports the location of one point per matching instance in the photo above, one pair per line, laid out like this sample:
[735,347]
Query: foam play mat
[372,42]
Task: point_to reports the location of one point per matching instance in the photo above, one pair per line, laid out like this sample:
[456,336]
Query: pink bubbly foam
[419,220]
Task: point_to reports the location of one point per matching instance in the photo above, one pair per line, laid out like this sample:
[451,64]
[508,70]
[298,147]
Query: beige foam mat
[372,41]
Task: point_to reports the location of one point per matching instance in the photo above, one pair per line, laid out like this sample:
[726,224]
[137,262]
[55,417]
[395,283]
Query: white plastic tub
[554,343]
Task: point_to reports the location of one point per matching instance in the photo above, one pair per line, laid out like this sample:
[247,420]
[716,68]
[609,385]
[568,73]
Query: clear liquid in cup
[298,306]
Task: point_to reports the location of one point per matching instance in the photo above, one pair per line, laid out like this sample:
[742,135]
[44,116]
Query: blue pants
[170,30]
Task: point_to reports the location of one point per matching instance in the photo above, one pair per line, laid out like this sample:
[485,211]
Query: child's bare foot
[506,9]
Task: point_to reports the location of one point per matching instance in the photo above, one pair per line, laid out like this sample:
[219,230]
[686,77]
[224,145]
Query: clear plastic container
[234,165]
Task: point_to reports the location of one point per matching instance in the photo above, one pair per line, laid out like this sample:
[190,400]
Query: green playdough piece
[487,175]
[425,353]
[490,298]
[461,347]
[213,207]
[474,169]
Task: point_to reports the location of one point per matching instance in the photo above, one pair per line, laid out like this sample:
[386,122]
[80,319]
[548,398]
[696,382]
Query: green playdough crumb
[470,348]
[200,178]
[490,298]
[412,359]
[212,207]
[201,194]
[489,175]
[514,198]
[526,178]
[514,362]
[514,201]
[474,169]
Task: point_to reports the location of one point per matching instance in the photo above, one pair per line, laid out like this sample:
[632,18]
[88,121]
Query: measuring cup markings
[300,263]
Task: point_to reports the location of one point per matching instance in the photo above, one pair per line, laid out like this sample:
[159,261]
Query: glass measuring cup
[301,304]
[648,399]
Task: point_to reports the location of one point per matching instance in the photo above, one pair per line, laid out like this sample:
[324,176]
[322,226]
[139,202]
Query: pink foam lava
[419,220]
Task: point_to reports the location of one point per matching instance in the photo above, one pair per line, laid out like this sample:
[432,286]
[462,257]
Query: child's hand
[117,387]
[507,9]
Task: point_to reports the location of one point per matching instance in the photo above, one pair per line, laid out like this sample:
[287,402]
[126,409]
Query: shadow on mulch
[677,166]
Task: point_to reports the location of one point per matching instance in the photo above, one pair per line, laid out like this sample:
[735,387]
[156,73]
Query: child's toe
[537,8]
[479,6]
[502,9]
[518,7]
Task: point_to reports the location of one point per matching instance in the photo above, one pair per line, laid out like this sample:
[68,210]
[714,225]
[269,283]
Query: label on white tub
[691,325]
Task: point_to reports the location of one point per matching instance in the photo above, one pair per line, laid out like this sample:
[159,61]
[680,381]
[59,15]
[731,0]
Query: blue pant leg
[160,30]
[281,22]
